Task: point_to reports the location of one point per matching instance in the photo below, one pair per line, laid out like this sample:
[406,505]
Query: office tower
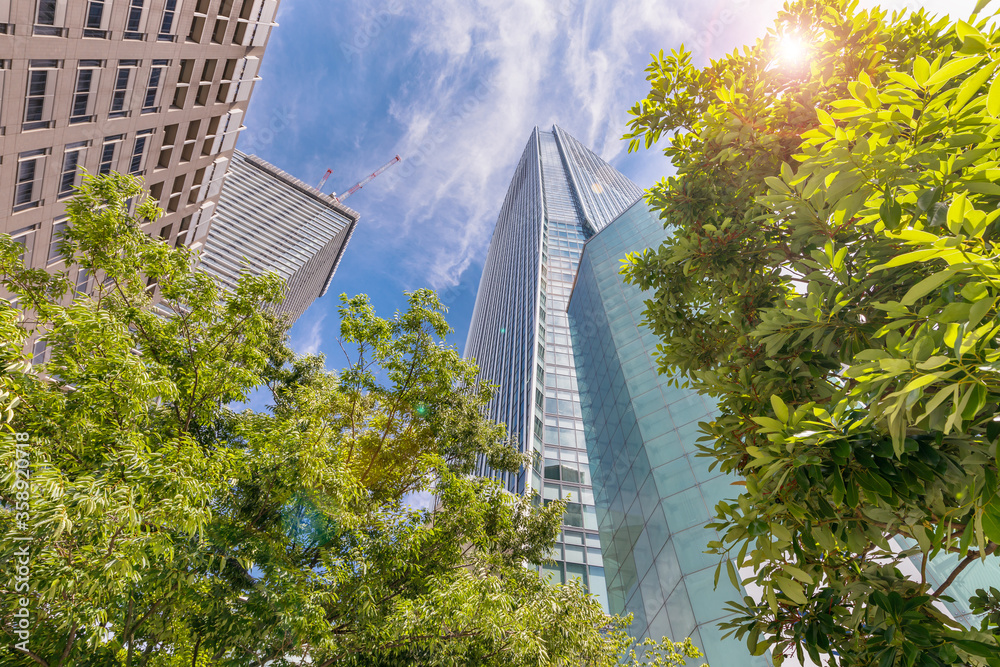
[154,88]
[267,220]
[653,496]
[560,195]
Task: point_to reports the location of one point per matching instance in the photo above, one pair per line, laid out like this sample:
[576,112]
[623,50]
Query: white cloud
[312,339]
[421,500]
[483,74]
[499,68]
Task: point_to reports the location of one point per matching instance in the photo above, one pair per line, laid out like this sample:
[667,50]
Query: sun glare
[793,50]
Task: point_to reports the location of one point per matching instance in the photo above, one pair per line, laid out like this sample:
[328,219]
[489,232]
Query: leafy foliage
[832,280]
[168,529]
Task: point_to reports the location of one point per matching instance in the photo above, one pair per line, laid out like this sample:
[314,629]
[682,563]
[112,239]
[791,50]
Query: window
[224,137]
[183,83]
[96,19]
[5,26]
[25,237]
[182,231]
[109,154]
[49,17]
[85,93]
[4,68]
[123,81]
[28,189]
[166,33]
[137,163]
[57,233]
[82,280]
[254,22]
[38,352]
[40,94]
[207,76]
[134,20]
[72,158]
[237,79]
[151,102]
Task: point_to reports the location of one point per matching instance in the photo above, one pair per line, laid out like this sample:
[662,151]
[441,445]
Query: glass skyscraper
[561,195]
[653,495]
[558,330]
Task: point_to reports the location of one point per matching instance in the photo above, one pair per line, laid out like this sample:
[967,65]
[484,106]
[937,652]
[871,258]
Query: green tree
[168,529]
[831,279]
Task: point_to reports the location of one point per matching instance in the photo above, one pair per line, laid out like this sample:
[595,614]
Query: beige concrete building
[155,88]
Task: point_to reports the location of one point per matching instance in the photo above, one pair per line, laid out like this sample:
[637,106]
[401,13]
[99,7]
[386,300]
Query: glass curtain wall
[519,334]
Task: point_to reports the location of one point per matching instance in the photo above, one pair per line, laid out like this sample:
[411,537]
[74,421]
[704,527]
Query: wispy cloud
[495,69]
[455,87]
[421,500]
[311,339]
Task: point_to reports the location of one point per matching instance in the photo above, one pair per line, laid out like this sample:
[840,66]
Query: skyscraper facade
[153,88]
[268,220]
[653,495]
[561,194]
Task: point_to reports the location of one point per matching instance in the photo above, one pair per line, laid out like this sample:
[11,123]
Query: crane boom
[325,177]
[368,179]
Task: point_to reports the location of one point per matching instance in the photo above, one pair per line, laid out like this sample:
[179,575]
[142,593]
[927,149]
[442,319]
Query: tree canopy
[831,279]
[167,528]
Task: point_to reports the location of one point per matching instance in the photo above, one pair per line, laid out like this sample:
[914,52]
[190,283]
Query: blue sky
[455,87]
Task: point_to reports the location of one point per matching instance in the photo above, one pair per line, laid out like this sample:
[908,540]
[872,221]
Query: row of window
[42,77]
[39,112]
[31,167]
[50,18]
[25,237]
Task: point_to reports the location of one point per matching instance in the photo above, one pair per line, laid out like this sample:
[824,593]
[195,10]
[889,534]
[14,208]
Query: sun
[793,50]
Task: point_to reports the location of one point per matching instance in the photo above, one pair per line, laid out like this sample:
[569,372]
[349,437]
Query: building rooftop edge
[306,189]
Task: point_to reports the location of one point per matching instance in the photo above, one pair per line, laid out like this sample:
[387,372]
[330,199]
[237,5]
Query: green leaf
[908,258]
[983,187]
[792,589]
[972,85]
[926,286]
[734,576]
[991,519]
[956,214]
[979,309]
[890,210]
[769,424]
[952,69]
[780,409]
[921,70]
[772,601]
[978,648]
[873,482]
[963,30]
[778,185]
[801,575]
[980,6]
[993,98]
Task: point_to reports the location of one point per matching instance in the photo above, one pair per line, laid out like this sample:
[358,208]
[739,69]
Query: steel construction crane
[368,179]
[325,177]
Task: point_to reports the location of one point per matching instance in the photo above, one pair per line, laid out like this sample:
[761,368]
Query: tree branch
[973,555]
